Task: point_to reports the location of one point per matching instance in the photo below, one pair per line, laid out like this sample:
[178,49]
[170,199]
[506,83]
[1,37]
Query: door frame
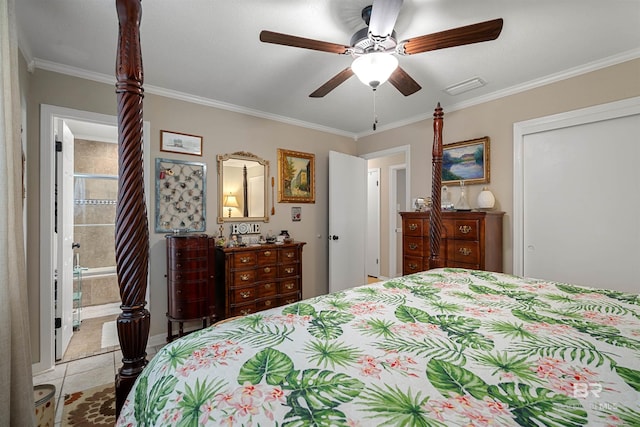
[393,211]
[406,149]
[521,130]
[48,115]
[373,223]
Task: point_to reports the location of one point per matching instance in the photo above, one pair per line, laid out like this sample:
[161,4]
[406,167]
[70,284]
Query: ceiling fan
[374,46]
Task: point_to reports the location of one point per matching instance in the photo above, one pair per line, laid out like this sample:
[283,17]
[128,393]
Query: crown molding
[182,96]
[108,79]
[532,84]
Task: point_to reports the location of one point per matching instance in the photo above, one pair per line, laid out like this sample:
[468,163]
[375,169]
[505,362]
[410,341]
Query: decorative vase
[486,200]
[462,204]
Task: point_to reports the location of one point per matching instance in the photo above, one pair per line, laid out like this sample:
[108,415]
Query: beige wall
[495,119]
[223,132]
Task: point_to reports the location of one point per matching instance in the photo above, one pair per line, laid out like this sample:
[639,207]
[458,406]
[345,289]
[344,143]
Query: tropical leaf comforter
[446,347]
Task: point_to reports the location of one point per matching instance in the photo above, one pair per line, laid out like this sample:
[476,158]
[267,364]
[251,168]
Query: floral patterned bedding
[446,347]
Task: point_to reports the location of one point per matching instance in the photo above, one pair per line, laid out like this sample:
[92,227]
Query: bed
[438,348]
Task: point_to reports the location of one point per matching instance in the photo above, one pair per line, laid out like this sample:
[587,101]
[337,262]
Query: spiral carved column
[132,233]
[435,222]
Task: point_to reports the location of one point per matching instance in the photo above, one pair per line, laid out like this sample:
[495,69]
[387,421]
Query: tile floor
[82,374]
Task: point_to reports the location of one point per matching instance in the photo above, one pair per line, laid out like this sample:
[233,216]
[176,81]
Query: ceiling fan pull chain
[375,114]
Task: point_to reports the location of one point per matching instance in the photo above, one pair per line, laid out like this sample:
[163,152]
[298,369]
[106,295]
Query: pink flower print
[206,409]
[353,423]
[276,395]
[497,407]
[229,421]
[223,399]
[245,406]
[251,390]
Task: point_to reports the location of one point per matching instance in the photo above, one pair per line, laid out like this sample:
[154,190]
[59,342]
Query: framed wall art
[466,161]
[296,177]
[181,189]
[183,143]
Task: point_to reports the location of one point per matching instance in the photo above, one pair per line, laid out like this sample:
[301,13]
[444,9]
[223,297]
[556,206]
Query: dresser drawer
[244,259]
[187,263]
[466,229]
[287,270]
[413,227]
[267,273]
[188,275]
[413,264]
[188,290]
[414,246]
[287,286]
[288,255]
[182,309]
[267,289]
[242,310]
[242,295]
[243,277]
[463,251]
[289,299]
[265,304]
[267,257]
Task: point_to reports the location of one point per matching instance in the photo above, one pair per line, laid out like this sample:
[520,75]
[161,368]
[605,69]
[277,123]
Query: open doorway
[87,270]
[394,197]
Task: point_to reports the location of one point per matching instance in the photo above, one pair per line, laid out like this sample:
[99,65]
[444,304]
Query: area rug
[93,407]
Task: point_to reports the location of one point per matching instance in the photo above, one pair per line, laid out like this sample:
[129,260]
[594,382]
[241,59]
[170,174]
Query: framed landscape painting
[296,177]
[466,161]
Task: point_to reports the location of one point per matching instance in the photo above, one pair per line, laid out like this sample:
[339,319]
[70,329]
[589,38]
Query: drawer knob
[245,312]
[245,259]
[267,253]
[290,300]
[290,254]
[267,286]
[412,226]
[288,270]
[267,303]
[465,251]
[465,229]
[289,286]
[413,246]
[267,269]
[413,266]
[245,294]
[179,291]
[244,277]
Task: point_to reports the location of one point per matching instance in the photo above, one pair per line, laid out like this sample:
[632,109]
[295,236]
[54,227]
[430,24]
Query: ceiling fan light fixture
[373,69]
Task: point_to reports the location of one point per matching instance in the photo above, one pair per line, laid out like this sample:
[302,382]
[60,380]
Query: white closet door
[581,204]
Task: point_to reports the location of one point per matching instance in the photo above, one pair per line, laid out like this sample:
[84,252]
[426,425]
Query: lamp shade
[230,201]
[373,69]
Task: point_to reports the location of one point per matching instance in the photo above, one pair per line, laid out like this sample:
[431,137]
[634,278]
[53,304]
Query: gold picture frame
[296,177]
[466,161]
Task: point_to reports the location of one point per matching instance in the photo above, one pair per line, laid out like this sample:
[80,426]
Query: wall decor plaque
[181,189]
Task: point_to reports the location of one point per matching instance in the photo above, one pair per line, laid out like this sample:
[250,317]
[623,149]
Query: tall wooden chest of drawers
[470,240]
[190,280]
[256,278]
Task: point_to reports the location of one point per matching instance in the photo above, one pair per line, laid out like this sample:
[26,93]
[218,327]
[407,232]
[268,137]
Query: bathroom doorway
[50,116]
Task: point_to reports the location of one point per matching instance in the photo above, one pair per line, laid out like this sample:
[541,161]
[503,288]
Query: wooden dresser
[190,281]
[470,240]
[256,278]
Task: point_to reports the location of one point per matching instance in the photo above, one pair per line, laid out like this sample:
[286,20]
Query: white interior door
[64,258]
[373,223]
[347,220]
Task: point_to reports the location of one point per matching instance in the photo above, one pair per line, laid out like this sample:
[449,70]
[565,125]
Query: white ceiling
[208,51]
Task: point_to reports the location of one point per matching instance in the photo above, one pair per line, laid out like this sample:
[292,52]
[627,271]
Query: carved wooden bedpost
[132,233]
[435,223]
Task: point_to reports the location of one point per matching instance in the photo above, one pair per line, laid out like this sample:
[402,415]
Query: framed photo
[296,214]
[466,161]
[296,177]
[181,189]
[183,143]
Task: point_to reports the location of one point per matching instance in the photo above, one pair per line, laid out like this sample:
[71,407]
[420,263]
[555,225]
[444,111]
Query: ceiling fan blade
[333,83]
[294,41]
[384,14]
[403,82]
[481,32]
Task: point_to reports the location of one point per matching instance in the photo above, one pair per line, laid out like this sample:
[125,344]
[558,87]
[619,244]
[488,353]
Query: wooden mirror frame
[241,156]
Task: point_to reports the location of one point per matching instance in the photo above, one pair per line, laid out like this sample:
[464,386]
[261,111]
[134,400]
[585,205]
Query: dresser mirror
[242,187]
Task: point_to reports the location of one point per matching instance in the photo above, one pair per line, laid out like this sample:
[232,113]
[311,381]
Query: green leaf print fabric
[445,347]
